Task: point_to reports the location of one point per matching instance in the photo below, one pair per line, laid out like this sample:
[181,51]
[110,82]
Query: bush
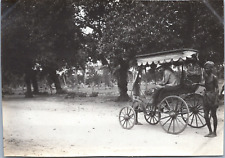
[94,94]
[81,94]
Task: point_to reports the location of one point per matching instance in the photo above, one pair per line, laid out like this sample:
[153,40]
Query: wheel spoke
[201,112]
[151,119]
[154,119]
[131,115]
[178,124]
[129,112]
[198,106]
[183,117]
[201,115]
[192,118]
[130,123]
[122,112]
[173,125]
[191,114]
[170,125]
[165,117]
[180,121]
[127,123]
[196,120]
[166,121]
[172,104]
[200,119]
[168,106]
[131,118]
[124,122]
[122,118]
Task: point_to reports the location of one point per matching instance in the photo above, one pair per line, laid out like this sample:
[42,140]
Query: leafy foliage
[54,33]
[40,31]
[144,27]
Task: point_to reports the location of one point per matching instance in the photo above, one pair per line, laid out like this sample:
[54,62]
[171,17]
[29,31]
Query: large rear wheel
[174,114]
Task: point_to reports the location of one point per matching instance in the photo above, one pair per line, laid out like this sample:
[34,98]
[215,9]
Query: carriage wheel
[195,105]
[127,117]
[174,114]
[153,115]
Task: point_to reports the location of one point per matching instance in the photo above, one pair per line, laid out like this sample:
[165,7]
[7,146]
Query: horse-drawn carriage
[178,106]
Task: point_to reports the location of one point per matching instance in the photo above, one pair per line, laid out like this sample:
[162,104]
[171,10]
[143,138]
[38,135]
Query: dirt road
[54,126]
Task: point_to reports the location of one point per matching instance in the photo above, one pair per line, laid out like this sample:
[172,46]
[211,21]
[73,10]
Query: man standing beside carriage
[210,98]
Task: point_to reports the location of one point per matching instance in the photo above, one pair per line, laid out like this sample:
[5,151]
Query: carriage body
[178,106]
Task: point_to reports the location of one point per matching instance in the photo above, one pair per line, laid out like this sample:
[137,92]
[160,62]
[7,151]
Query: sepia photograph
[112,78]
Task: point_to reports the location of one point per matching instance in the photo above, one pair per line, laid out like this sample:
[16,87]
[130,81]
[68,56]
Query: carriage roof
[176,57]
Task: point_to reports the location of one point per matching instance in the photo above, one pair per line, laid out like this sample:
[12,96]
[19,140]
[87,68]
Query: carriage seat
[184,87]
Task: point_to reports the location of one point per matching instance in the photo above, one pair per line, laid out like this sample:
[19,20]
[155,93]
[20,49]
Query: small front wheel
[152,114]
[174,114]
[127,117]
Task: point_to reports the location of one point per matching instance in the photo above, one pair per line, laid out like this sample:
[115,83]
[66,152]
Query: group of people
[210,97]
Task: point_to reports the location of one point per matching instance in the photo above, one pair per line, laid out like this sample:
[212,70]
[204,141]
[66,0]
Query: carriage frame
[178,108]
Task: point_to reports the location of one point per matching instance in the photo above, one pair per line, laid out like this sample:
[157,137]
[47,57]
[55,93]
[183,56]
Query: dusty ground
[54,126]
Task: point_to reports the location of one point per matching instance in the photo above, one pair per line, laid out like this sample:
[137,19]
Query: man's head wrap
[209,64]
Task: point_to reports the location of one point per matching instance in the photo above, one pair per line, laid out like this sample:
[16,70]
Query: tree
[139,28]
[90,15]
[42,32]
[129,28]
[52,33]
[209,32]
[16,56]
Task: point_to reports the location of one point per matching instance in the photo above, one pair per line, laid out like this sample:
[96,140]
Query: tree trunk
[55,79]
[84,77]
[34,82]
[64,80]
[122,76]
[28,94]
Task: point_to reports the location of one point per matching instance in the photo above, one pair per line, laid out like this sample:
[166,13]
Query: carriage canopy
[176,57]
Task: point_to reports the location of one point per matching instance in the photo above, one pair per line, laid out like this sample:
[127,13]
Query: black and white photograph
[112,78]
